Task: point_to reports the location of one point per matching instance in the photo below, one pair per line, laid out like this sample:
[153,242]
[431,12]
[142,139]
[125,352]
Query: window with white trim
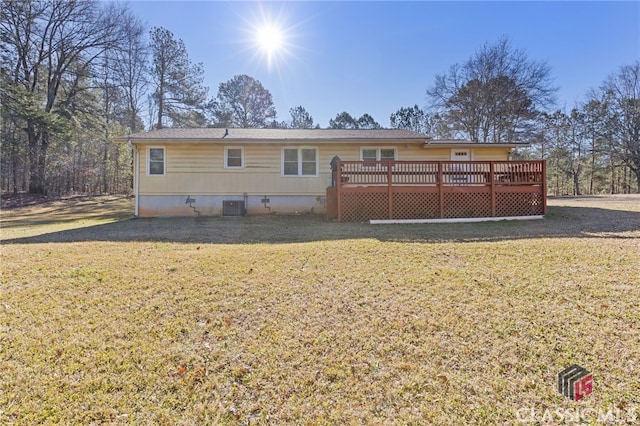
[156,161]
[378,154]
[300,162]
[233,158]
[387,154]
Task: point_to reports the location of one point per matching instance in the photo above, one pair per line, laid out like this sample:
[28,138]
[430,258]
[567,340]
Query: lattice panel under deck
[416,205]
[364,206]
[519,204]
[467,204]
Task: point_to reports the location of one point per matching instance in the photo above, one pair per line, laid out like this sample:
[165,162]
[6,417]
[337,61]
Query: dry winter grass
[298,320]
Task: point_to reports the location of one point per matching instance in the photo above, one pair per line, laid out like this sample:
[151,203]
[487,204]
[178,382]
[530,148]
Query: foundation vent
[233,208]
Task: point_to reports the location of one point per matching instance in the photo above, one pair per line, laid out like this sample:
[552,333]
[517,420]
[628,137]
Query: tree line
[74,74]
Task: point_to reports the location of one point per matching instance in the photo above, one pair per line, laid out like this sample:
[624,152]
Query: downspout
[136,178]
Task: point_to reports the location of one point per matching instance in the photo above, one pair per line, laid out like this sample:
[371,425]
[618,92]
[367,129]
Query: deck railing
[365,190]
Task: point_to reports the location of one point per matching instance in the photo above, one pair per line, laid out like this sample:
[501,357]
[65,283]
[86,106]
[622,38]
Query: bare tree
[53,45]
[495,95]
[132,69]
[618,101]
[600,158]
[567,137]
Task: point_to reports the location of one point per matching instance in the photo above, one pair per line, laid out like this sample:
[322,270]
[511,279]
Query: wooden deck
[365,190]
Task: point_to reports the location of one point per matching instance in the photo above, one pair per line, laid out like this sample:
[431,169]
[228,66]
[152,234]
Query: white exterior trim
[136,178]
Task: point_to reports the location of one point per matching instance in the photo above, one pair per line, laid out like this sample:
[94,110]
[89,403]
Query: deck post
[440,188]
[338,189]
[493,192]
[389,190]
[544,187]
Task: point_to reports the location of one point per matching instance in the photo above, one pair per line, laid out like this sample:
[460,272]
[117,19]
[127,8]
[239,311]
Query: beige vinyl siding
[199,168]
[435,154]
[490,154]
[410,153]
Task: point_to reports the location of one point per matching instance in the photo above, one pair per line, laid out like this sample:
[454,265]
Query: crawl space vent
[233,208]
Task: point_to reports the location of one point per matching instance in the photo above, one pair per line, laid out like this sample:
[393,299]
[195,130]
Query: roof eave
[248,141]
[474,144]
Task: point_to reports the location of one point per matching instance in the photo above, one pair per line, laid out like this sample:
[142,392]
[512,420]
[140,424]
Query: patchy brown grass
[298,320]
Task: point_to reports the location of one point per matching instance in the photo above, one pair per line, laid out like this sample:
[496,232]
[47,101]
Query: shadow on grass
[67,211]
[560,222]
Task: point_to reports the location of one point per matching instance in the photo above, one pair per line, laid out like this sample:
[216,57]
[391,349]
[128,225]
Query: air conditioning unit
[233,208]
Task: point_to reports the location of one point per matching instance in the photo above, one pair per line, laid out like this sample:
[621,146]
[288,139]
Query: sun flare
[270,38]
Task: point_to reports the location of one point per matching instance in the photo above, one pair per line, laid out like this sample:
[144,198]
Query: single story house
[215,171]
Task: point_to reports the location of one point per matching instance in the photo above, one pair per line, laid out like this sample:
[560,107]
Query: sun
[269,35]
[270,38]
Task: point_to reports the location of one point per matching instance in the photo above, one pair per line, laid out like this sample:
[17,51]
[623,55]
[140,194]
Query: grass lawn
[300,320]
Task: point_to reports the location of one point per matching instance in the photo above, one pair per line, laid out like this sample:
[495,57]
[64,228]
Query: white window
[369,154]
[387,154]
[300,161]
[233,158]
[378,154]
[156,161]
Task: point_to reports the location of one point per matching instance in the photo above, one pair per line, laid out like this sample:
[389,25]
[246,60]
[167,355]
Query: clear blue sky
[375,57]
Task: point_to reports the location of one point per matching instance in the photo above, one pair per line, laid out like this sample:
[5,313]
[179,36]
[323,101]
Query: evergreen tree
[179,94]
[300,118]
[243,102]
[411,118]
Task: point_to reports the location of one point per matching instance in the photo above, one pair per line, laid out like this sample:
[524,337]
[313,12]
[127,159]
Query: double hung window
[377,154]
[233,158]
[156,161]
[300,162]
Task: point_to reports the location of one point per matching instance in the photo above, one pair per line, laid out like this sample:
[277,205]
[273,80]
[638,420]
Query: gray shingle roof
[233,135]
[211,134]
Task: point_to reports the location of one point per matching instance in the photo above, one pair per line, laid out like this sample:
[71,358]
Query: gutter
[467,144]
[136,178]
[262,142]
